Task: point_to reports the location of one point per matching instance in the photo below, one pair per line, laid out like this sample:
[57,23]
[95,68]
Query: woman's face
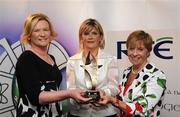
[91,40]
[138,54]
[41,34]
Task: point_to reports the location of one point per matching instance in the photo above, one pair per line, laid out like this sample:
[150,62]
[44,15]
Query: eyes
[140,49]
[92,33]
[38,30]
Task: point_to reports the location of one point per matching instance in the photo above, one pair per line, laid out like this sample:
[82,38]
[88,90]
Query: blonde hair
[87,26]
[30,23]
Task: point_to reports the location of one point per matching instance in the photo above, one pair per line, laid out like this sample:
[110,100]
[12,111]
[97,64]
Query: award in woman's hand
[91,76]
[94,94]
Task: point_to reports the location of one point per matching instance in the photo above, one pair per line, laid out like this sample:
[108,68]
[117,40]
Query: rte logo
[159,48]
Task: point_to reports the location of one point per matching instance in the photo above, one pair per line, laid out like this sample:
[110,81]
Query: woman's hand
[79,96]
[104,100]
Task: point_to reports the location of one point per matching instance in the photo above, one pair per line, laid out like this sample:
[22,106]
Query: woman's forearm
[52,96]
[120,104]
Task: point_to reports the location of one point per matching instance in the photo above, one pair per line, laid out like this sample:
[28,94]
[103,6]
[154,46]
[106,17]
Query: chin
[91,47]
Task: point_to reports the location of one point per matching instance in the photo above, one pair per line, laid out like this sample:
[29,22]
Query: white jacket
[106,81]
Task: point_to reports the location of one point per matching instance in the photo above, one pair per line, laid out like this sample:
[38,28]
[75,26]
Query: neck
[136,69]
[93,52]
[40,51]
[43,54]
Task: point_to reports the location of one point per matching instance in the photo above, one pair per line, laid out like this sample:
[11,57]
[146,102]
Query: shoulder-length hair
[87,26]
[30,23]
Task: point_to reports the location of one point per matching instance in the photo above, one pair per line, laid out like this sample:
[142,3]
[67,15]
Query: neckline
[135,73]
[140,69]
[42,58]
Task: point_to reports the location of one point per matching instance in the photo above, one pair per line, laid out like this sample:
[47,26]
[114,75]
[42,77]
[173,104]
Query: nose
[135,52]
[42,33]
[90,35]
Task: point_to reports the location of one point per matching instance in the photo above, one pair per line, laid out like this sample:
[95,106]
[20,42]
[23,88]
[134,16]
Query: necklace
[134,71]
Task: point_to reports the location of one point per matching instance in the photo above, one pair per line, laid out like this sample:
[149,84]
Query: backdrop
[161,18]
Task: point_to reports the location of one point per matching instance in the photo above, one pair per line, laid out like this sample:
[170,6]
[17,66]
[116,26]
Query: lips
[134,59]
[90,42]
[44,39]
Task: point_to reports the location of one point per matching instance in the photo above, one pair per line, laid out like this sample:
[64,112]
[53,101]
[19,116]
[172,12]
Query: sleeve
[70,74]
[111,85]
[28,79]
[148,97]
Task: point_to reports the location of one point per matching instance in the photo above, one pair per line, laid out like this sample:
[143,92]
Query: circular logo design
[8,86]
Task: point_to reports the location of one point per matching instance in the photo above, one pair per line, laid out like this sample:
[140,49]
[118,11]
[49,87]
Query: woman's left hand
[103,99]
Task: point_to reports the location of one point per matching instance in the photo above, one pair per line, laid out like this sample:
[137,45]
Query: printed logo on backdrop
[160,49]
[170,107]
[8,59]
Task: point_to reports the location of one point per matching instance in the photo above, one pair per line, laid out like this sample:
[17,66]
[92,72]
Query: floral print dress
[144,96]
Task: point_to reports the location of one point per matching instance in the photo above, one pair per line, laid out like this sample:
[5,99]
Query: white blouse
[107,77]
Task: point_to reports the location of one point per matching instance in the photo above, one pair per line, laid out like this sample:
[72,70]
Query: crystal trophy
[91,75]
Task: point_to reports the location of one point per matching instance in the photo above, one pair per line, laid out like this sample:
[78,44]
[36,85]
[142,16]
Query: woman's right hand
[79,96]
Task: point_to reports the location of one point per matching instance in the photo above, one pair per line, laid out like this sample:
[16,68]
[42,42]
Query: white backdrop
[161,18]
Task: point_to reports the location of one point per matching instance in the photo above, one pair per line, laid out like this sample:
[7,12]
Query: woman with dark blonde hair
[37,74]
[93,70]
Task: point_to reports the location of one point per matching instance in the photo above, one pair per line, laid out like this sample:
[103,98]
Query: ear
[148,54]
[29,38]
[51,38]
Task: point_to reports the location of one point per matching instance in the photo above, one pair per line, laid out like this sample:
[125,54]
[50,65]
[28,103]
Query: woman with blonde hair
[37,74]
[93,70]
